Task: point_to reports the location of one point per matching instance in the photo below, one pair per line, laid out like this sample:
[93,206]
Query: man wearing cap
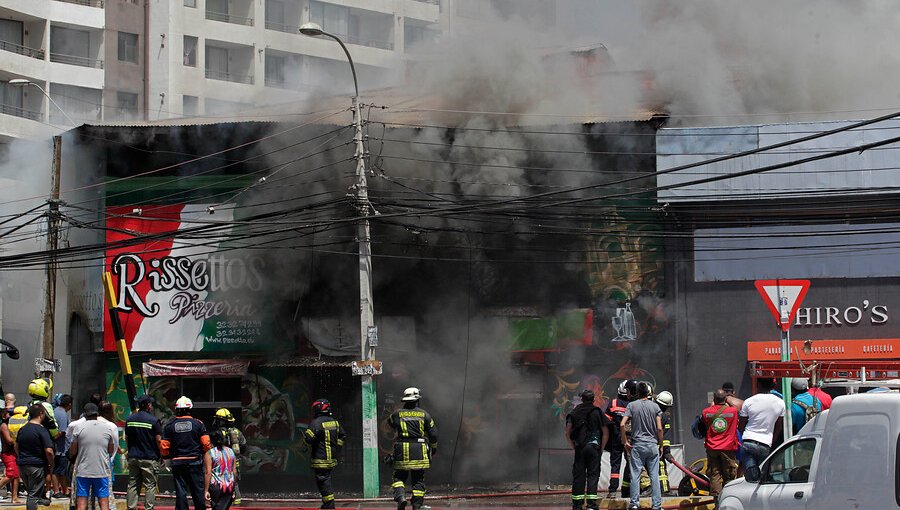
[92,447]
[35,456]
[802,400]
[184,441]
[587,430]
[143,434]
[415,444]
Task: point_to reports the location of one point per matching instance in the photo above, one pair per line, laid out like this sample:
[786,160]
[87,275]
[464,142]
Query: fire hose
[689,473]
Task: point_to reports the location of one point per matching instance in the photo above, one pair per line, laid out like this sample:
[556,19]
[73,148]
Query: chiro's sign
[182,292]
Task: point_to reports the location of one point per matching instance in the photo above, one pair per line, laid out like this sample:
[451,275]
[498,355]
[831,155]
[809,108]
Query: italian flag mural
[182,288]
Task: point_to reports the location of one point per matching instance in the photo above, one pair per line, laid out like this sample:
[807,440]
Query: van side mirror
[754,473]
[9,349]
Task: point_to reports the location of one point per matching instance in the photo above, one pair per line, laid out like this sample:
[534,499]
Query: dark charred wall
[501,259]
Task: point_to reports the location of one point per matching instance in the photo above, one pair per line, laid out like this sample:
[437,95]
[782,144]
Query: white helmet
[411,394]
[665,399]
[184,403]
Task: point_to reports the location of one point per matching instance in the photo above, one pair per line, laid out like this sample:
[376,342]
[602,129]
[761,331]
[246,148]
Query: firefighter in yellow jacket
[415,444]
[325,437]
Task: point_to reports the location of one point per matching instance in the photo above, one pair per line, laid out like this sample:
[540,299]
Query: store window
[211,393]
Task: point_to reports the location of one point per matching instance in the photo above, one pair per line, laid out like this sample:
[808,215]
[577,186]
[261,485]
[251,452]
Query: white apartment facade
[222,56]
[159,59]
[56,45]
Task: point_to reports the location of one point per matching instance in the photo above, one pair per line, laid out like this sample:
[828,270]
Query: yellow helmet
[40,388]
[224,415]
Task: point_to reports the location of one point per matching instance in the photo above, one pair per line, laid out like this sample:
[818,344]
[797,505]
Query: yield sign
[783,297]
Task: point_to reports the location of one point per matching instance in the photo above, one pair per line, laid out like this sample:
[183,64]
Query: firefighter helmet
[665,399]
[224,415]
[587,396]
[184,403]
[40,388]
[411,395]
[321,406]
[626,387]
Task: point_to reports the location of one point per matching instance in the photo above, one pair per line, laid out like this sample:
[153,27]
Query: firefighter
[325,438]
[587,430]
[39,391]
[415,444]
[184,443]
[665,401]
[615,410]
[223,420]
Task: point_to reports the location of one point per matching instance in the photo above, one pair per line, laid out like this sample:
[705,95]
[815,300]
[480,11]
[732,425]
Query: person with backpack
[804,406]
[325,438]
[721,421]
[587,430]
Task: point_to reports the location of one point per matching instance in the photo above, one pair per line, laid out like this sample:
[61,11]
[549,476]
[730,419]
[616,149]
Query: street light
[21,82]
[368,334]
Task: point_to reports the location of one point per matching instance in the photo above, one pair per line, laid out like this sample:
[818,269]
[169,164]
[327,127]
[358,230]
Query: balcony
[371,43]
[89,3]
[232,77]
[280,27]
[21,112]
[76,61]
[229,18]
[22,50]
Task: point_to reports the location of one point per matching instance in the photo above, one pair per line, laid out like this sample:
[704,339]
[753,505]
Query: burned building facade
[513,267]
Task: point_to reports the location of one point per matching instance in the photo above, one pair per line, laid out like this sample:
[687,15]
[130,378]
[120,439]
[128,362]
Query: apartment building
[52,46]
[148,60]
[208,57]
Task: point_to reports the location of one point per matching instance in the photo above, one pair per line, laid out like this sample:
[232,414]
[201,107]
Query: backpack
[809,411]
[698,428]
[581,432]
[18,420]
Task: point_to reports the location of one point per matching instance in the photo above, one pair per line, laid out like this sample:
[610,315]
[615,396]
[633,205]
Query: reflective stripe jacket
[184,440]
[416,438]
[615,410]
[667,432]
[325,438]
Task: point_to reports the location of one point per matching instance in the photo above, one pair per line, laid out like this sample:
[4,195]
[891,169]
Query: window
[217,6]
[11,31]
[126,104]
[190,51]
[274,12]
[10,95]
[128,47]
[275,70]
[190,3]
[216,62]
[80,103]
[332,18]
[790,464]
[71,42]
[189,105]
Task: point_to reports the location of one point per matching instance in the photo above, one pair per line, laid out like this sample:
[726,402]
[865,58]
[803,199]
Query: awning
[196,368]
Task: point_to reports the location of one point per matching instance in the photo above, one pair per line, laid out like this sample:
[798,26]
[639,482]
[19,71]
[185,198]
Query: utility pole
[49,324]
[367,333]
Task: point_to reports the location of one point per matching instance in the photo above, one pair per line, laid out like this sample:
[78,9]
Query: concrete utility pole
[49,324]
[368,335]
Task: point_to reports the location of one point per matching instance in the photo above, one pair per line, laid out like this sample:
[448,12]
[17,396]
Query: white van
[845,458]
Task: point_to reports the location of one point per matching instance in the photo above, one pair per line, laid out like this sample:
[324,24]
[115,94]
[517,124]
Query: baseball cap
[799,383]
[145,399]
[90,409]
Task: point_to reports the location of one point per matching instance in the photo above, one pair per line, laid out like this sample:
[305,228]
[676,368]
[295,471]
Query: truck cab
[844,458]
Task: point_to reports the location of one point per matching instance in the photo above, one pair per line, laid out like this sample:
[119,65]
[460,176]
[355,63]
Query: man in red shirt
[721,443]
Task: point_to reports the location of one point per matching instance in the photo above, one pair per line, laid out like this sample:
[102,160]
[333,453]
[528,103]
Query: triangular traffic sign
[783,297]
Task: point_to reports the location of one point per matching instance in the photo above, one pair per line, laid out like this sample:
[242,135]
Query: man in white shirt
[760,423]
